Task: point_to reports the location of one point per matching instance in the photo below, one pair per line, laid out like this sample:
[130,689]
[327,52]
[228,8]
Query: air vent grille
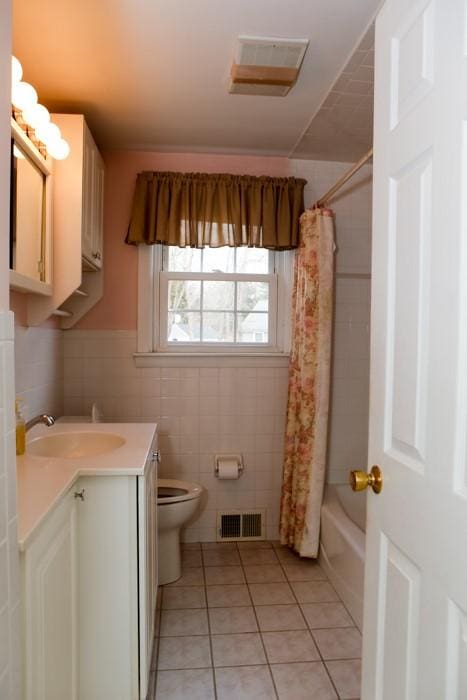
[241,525]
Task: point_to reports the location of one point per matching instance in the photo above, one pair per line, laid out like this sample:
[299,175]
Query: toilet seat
[175,491]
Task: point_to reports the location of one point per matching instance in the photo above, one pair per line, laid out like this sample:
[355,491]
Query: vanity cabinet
[49,569]
[90,586]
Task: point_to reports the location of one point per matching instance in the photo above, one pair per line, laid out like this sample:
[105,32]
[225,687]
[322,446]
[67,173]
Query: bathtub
[342,546]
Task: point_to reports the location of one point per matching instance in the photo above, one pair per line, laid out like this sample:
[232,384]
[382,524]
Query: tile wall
[10,608]
[201,411]
[348,428]
[39,370]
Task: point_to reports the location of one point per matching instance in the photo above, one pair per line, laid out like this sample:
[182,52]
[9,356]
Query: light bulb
[36,116]
[23,96]
[16,71]
[48,133]
[59,149]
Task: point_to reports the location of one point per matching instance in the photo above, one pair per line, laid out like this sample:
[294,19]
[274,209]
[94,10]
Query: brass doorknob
[359,480]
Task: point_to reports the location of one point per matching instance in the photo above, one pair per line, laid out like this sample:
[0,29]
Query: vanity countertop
[42,481]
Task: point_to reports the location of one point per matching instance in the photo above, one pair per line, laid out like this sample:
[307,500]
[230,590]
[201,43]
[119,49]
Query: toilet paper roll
[228,469]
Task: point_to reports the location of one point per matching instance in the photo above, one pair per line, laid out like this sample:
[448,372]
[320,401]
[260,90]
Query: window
[213,300]
[217,296]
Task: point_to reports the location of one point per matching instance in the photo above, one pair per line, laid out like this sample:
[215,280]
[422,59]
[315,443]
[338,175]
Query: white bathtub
[342,548]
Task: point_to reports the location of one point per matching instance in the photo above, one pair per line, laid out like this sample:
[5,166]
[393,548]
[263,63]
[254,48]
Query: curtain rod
[350,173]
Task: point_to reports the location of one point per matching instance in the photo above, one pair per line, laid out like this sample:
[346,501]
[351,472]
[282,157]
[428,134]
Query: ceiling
[154,75]
[343,124]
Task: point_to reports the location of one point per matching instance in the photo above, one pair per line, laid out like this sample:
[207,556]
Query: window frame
[149,345]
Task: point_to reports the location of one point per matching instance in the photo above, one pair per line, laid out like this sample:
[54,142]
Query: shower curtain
[309,379]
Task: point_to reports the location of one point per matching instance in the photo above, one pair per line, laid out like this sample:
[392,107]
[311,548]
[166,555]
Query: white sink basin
[74,445]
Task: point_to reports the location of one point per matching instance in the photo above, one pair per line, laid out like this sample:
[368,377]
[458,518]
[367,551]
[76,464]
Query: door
[415,617]
[50,607]
[88,198]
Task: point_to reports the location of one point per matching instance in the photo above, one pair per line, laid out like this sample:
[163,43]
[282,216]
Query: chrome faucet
[43,418]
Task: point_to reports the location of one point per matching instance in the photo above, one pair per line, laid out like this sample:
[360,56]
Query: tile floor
[253,622]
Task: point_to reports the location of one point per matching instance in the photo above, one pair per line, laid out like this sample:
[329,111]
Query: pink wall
[117,310]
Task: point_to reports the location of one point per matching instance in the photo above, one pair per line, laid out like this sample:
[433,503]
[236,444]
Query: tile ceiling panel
[342,129]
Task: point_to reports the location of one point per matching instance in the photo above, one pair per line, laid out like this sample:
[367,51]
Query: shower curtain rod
[350,173]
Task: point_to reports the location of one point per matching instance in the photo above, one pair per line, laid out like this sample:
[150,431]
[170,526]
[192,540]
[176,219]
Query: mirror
[27,230]
[30,224]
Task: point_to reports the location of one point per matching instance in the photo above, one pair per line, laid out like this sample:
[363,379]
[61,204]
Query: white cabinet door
[50,607]
[415,619]
[108,589]
[93,201]
[88,188]
[97,209]
[147,539]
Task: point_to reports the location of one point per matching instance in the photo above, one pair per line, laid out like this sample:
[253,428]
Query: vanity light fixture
[34,118]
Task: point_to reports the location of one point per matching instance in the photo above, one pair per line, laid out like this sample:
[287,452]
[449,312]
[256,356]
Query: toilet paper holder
[237,457]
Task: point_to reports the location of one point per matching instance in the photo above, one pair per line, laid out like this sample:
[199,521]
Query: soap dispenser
[20,429]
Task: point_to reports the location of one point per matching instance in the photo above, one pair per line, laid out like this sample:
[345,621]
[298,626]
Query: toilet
[176,503]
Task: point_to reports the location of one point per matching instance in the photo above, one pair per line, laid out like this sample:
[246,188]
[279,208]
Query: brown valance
[197,210]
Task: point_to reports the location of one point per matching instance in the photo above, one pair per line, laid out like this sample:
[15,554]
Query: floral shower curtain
[309,379]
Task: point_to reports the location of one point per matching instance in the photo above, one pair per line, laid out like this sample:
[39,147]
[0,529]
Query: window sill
[211,359]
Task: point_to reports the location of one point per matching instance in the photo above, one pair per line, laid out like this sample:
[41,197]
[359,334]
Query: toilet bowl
[176,503]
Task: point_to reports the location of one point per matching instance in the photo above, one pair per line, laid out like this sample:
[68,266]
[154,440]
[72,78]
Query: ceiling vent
[266,66]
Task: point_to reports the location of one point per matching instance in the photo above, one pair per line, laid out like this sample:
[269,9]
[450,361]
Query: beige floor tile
[184,652]
[286,556]
[304,572]
[271,593]
[322,615]
[228,596]
[190,577]
[265,573]
[339,643]
[286,647]
[346,676]
[220,546]
[178,685]
[314,592]
[219,557]
[191,558]
[190,546]
[258,556]
[244,683]
[255,544]
[178,623]
[303,681]
[216,575]
[155,652]
[237,649]
[152,686]
[231,620]
[280,617]
[183,597]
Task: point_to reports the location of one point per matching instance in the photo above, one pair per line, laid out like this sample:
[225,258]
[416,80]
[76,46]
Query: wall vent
[266,65]
[235,525]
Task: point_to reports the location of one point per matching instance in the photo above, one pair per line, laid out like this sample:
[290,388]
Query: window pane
[184,259]
[253,261]
[219,259]
[252,296]
[183,327]
[218,295]
[184,294]
[252,328]
[218,327]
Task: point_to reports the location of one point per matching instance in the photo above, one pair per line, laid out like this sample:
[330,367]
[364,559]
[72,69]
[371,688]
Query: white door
[50,607]
[415,618]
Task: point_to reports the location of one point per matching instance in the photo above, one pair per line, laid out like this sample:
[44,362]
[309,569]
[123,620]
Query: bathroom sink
[74,445]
